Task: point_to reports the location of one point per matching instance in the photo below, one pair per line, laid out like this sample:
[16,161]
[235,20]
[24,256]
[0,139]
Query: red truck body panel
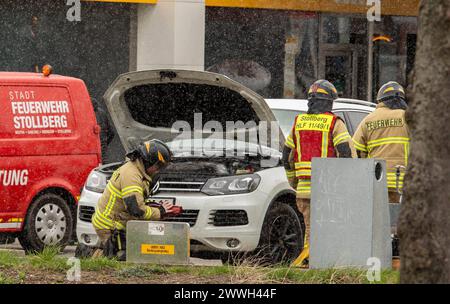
[49,138]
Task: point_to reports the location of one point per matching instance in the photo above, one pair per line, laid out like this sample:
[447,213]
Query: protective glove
[166,209]
[174,211]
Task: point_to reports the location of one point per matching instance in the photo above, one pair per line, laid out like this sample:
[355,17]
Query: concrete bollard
[350,220]
[158,242]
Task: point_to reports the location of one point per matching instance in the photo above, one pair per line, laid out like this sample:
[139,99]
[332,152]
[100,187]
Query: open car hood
[145,105]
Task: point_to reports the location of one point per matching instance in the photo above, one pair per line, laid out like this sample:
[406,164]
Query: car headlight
[96,182]
[231,184]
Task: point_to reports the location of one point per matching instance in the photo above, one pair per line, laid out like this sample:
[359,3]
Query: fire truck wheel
[49,222]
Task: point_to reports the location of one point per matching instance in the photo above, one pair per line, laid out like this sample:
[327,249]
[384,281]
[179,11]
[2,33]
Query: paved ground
[70,252]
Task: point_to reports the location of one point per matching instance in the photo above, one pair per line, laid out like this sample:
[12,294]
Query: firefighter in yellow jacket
[124,196]
[318,133]
[384,134]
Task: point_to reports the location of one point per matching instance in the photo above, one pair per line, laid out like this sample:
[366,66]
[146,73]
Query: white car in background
[352,111]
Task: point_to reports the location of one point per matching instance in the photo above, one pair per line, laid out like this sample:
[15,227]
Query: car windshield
[208,147]
[286,119]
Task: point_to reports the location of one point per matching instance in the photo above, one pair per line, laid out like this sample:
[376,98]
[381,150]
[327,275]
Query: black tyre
[49,222]
[281,236]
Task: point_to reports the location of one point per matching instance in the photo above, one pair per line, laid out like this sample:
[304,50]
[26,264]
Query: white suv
[233,203]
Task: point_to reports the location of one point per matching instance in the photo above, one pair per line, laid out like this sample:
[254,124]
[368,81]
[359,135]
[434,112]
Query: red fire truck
[49,142]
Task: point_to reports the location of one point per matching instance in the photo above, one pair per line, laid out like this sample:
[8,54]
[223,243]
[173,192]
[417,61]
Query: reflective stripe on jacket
[384,134]
[127,181]
[312,138]
[314,135]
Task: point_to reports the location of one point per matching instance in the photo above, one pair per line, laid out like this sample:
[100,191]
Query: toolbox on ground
[158,242]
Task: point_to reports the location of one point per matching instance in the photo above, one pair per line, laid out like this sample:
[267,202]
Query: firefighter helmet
[154,152]
[322,89]
[390,91]
[321,96]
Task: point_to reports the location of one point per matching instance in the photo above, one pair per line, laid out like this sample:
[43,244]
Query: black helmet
[392,95]
[322,89]
[321,95]
[152,152]
[391,90]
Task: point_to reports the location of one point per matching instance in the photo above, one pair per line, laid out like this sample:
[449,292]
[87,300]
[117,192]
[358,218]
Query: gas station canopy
[388,7]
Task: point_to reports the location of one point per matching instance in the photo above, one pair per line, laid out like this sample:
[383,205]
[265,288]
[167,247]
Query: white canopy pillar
[171,35]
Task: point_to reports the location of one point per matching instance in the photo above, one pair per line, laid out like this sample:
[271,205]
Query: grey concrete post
[349,213]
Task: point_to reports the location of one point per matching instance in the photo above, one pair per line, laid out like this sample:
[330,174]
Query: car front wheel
[281,236]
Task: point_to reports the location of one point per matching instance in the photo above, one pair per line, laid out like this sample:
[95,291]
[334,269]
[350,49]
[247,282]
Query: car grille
[187,216]
[223,218]
[177,186]
[85,213]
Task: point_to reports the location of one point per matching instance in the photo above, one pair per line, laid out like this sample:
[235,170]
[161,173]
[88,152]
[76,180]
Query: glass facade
[276,52]
[301,62]
[394,50]
[280,53]
[343,53]
[248,46]
[34,33]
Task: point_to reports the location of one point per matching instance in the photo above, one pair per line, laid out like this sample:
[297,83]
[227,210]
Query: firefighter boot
[302,259]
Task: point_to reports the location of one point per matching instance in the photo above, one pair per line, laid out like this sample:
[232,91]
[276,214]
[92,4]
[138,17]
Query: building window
[394,50]
[343,53]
